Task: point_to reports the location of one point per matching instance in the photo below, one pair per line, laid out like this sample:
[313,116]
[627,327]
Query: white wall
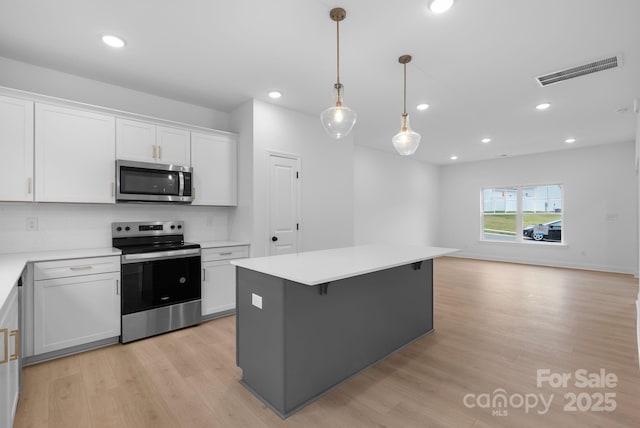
[327,177]
[69,226]
[395,199]
[44,81]
[637,158]
[241,217]
[598,182]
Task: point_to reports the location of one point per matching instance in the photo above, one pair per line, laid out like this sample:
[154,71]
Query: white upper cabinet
[74,155]
[135,141]
[214,162]
[16,149]
[174,146]
[145,142]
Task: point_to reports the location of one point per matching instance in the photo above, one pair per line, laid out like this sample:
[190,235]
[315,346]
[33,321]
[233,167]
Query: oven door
[153,280]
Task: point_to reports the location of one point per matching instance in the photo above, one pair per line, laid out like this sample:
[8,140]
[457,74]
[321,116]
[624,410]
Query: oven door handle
[160,255]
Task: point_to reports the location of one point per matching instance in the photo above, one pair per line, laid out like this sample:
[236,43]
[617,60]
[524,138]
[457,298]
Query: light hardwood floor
[496,324]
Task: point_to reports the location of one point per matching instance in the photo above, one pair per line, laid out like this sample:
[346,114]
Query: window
[522,213]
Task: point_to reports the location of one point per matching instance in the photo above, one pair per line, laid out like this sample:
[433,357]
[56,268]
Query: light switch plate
[256,300]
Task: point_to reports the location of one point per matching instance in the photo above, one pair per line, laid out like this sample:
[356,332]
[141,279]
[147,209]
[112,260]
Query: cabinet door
[9,359]
[75,155]
[218,287]
[135,141]
[214,162]
[75,311]
[174,146]
[16,149]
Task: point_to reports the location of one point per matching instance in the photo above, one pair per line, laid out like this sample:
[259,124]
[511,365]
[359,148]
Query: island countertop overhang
[319,267]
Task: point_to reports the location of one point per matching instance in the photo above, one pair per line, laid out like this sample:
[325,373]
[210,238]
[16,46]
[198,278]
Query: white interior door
[283,204]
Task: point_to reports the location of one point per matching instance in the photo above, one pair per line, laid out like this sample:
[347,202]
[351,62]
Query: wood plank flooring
[496,325]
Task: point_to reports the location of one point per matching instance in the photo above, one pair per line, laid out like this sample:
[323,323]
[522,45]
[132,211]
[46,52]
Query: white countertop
[220,244]
[12,265]
[318,267]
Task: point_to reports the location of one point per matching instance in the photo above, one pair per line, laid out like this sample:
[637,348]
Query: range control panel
[147,228]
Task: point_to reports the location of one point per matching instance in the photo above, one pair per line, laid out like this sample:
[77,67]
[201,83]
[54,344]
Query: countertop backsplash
[72,226]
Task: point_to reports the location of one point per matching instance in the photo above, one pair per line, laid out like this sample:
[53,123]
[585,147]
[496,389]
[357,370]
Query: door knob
[274,238]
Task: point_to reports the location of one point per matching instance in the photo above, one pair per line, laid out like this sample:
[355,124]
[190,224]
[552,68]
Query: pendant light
[339,120]
[407,140]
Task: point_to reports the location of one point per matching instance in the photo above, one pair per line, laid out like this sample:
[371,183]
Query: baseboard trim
[40,358]
[538,262]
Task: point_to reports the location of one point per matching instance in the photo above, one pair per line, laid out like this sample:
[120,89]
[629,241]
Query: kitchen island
[307,322]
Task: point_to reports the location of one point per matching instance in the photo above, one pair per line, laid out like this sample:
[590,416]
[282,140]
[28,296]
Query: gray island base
[306,339]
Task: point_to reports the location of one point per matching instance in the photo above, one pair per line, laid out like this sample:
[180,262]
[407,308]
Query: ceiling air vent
[581,70]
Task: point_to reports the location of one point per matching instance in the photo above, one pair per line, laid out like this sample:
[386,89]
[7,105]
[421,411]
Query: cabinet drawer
[75,267]
[225,253]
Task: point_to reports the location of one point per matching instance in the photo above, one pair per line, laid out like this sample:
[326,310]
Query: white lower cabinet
[219,278]
[9,359]
[78,308]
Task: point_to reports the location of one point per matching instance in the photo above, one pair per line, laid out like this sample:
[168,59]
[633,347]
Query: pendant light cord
[405,89]
[338,51]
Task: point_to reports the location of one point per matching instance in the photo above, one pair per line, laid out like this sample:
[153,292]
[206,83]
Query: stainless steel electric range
[160,277]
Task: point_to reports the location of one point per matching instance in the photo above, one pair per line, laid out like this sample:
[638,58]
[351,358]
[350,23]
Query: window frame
[519,239]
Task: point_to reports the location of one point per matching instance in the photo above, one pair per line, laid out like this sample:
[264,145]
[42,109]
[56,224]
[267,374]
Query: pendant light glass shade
[338,120]
[407,140]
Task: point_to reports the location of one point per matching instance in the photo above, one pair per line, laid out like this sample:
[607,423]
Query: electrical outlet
[31,223]
[612,217]
[256,300]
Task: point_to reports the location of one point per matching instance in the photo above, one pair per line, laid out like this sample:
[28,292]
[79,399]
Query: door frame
[298,159]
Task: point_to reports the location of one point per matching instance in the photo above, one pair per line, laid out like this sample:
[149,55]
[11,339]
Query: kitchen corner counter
[12,265]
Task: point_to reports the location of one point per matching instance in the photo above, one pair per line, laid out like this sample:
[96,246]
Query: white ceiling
[475,65]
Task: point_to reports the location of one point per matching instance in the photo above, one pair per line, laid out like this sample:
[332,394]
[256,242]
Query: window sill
[525,243]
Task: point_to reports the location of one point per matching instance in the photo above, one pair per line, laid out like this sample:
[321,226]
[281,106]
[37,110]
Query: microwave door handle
[181,191]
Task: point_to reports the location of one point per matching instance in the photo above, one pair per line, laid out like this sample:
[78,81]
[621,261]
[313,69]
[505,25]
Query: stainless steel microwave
[152,182]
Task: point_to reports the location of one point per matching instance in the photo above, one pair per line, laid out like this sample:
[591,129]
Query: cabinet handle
[113,189]
[5,333]
[226,254]
[16,342]
[204,274]
[86,267]
[154,150]
[117,287]
[159,152]
[29,185]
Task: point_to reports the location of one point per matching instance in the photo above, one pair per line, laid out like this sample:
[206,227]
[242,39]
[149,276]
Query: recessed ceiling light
[113,41]
[486,140]
[570,140]
[454,157]
[439,6]
[422,107]
[274,94]
[543,106]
